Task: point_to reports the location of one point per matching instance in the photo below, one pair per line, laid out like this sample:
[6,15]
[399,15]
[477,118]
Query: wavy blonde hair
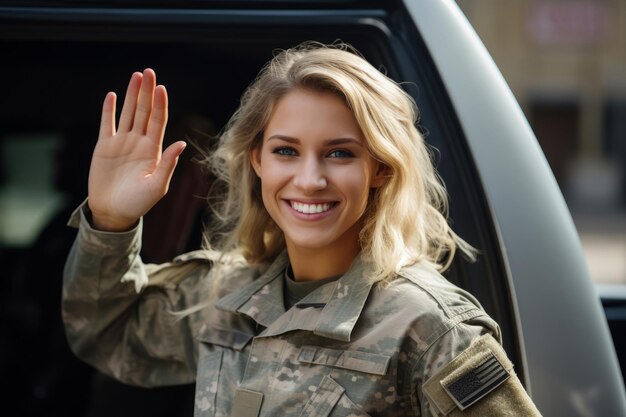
[406,219]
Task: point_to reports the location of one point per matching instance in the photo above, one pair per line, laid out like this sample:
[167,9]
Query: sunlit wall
[565,61]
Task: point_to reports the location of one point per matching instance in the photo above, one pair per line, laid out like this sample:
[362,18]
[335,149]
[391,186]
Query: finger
[145,101]
[158,118]
[107,121]
[169,159]
[130,103]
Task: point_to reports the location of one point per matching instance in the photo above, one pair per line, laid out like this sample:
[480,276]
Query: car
[60,58]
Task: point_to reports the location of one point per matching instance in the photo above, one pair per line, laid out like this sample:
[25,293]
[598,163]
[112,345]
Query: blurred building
[565,61]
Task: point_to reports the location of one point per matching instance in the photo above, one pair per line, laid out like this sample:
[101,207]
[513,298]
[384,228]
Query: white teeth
[310,208]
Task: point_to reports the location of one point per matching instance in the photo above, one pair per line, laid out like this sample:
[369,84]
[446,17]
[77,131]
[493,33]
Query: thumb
[169,159]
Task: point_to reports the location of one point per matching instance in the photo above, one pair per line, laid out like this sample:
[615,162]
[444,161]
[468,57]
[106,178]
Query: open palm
[129,171]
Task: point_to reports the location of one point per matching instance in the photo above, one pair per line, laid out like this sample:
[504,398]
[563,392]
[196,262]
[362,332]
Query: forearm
[109,315]
[94,297]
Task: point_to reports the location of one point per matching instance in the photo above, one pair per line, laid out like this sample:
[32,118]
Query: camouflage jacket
[349,348]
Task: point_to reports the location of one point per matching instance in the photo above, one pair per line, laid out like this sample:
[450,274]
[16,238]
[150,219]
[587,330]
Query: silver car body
[571,365]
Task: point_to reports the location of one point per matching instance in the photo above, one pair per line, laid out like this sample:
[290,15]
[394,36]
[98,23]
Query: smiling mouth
[310,208]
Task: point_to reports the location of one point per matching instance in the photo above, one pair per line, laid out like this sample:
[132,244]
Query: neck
[316,264]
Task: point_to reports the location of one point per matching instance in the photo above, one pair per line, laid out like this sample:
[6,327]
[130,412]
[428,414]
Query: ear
[381,173]
[255,160]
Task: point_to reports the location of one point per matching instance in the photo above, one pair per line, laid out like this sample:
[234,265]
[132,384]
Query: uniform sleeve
[118,312]
[467,373]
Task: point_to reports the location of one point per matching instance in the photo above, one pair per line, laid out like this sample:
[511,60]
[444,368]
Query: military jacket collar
[329,311]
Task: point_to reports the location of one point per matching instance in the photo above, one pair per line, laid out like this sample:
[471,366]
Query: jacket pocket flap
[372,363]
[231,338]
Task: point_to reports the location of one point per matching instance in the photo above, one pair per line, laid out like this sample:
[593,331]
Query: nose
[310,176]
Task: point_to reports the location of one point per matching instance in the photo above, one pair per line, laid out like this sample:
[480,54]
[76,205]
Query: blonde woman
[324,296]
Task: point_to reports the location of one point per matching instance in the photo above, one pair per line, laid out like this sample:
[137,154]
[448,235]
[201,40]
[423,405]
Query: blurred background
[565,61]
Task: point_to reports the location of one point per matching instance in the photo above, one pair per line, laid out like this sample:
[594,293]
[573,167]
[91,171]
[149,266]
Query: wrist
[105,225]
[108,224]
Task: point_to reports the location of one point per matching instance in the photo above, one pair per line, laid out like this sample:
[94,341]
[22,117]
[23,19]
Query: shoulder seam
[432,294]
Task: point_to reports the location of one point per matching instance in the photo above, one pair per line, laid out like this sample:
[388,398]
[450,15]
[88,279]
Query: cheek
[271,183]
[270,205]
[357,190]
[271,178]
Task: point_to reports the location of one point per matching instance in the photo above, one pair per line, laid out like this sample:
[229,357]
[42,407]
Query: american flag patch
[477,383]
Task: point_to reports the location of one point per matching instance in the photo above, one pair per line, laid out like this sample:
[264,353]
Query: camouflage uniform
[349,348]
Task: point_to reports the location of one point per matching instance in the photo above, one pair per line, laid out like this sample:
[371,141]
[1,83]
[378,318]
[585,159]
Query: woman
[325,296]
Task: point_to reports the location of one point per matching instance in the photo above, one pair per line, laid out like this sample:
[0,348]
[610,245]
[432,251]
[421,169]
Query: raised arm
[129,171]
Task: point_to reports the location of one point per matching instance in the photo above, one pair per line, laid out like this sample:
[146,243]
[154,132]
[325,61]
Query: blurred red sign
[569,22]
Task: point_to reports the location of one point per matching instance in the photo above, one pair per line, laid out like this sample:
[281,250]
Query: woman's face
[315,171]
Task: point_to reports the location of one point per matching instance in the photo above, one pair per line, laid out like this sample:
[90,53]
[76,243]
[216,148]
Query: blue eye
[340,153]
[284,151]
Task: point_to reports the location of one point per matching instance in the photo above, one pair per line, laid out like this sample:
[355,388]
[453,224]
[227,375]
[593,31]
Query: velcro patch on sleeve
[469,377]
[476,383]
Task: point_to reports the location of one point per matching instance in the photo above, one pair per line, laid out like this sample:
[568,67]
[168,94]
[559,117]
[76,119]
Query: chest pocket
[217,349]
[330,398]
[371,363]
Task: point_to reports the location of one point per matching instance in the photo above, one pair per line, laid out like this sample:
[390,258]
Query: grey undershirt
[297,290]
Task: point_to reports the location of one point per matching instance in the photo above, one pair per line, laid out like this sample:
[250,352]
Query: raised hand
[129,171]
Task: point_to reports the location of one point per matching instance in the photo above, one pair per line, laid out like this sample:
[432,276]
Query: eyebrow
[329,142]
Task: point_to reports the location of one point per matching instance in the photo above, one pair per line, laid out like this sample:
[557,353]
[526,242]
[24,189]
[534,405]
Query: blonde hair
[406,219]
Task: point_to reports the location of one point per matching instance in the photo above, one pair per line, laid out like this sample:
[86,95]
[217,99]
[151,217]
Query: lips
[311,208]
